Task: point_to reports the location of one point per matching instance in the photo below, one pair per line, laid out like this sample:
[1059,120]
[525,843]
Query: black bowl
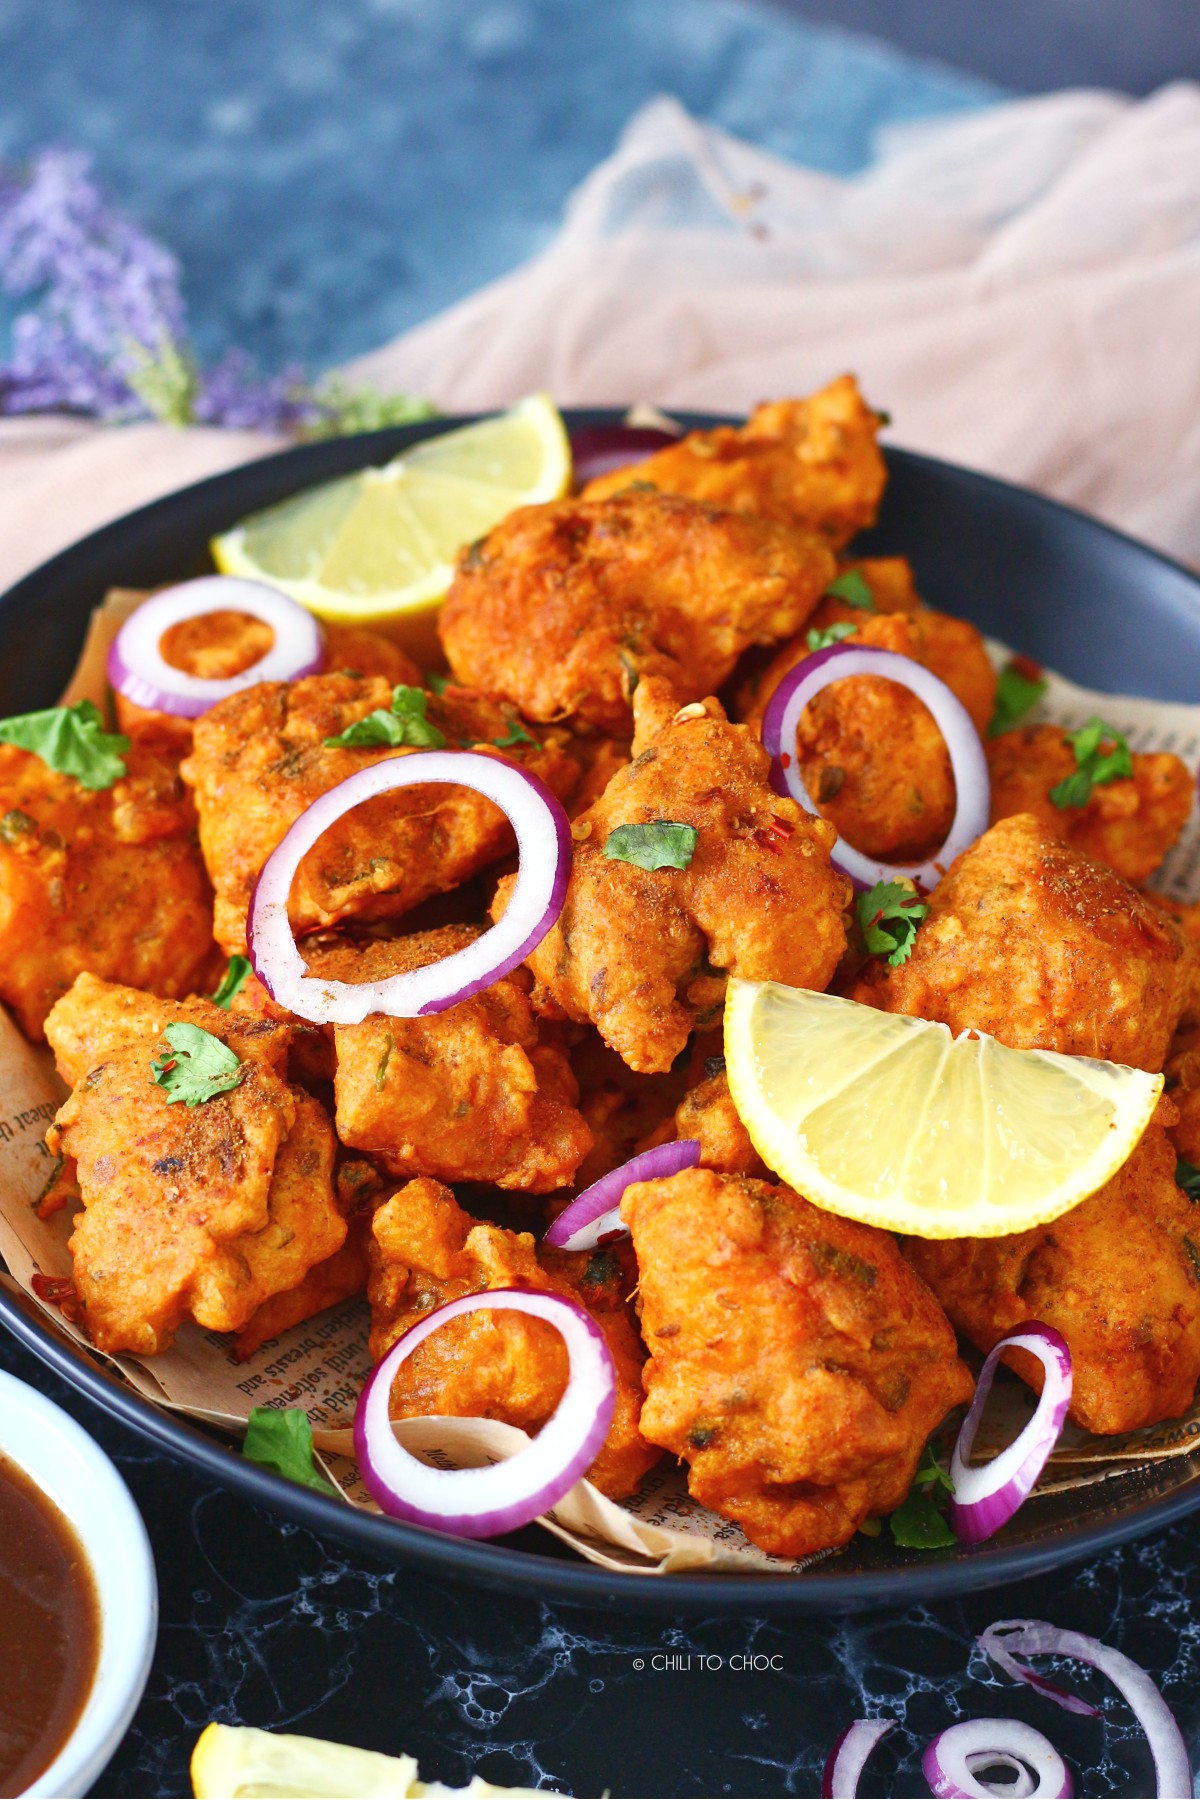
[1090,603]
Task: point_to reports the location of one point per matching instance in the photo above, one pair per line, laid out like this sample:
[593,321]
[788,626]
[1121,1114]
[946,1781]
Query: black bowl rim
[500,1566]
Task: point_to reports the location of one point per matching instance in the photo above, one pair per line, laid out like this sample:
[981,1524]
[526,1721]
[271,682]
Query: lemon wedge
[235,1762]
[895,1122]
[377,547]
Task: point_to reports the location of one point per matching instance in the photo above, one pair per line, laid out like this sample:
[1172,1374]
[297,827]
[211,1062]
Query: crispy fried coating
[107,880]
[260,759]
[644,953]
[326,1284]
[190,1211]
[870,753]
[469,1094]
[1044,949]
[1183,1084]
[499,1365]
[1119,1276]
[795,1363]
[1129,824]
[562,608]
[810,463]
[707,1113]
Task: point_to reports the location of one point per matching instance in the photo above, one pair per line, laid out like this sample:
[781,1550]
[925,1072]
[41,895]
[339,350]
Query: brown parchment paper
[323,1363]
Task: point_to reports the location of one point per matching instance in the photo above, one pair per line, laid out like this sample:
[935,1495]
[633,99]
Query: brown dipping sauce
[49,1630]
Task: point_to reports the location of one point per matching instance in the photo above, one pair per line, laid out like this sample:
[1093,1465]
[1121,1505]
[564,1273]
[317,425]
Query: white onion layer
[985,1498]
[950,1762]
[596,1213]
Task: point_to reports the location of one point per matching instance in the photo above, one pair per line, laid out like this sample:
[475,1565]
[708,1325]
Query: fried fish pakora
[498,1365]
[198,1211]
[469,1094]
[795,1363]
[810,463]
[1129,824]
[1044,949]
[869,751]
[563,608]
[707,1113]
[106,880]
[644,953]
[260,759]
[1119,1277]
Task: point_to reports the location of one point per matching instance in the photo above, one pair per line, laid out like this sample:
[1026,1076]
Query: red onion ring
[140,673]
[841,662]
[1034,1637]
[947,1762]
[484,1502]
[596,1213]
[985,1498]
[543,847]
[599,449]
[846,1761]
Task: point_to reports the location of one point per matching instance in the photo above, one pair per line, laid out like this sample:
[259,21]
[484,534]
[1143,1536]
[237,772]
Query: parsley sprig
[1093,766]
[403,724]
[919,1522]
[660,844]
[72,741]
[1018,690]
[281,1438]
[197,1067]
[889,914]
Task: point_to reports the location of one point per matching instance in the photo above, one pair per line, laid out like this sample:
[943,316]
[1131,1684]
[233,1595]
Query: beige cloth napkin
[1018,286]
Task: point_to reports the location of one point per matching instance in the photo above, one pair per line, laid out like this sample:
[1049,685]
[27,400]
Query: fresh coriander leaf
[1093,768]
[661,844]
[918,1525]
[404,724]
[1020,687]
[930,1473]
[389,1044]
[197,1067]
[852,588]
[889,914]
[517,734]
[437,684]
[233,981]
[72,741]
[281,1438]
[832,634]
[1187,1176]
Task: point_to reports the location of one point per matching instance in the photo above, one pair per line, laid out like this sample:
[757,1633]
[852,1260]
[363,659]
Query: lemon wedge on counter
[896,1122]
[377,547]
[235,1762]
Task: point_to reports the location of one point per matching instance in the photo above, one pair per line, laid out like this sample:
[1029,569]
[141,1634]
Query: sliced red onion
[1034,1637]
[841,662]
[951,1760]
[543,846]
[138,670]
[985,1498]
[478,1503]
[599,449]
[846,1761]
[595,1214]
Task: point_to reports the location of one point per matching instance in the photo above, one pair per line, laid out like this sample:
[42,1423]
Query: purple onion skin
[972,1522]
[599,449]
[603,1195]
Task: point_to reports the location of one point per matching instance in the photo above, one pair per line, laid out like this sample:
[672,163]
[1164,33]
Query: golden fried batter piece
[644,953]
[1129,824]
[870,753]
[1182,1071]
[1044,949]
[796,1364]
[190,1211]
[260,759]
[1119,1276]
[562,608]
[327,1284]
[106,880]
[469,1094]
[499,1365]
[707,1113]
[810,463]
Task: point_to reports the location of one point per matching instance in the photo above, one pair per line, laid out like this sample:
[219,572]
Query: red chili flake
[58,1290]
[785,761]
[780,828]
[765,841]
[1025,665]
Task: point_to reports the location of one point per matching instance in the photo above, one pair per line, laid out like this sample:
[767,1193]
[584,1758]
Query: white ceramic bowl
[62,1459]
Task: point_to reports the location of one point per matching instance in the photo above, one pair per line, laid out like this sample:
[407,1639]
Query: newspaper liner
[323,1363]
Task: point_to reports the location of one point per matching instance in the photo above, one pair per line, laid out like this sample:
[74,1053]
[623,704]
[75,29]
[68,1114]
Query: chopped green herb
[72,741]
[852,588]
[233,981]
[15,824]
[661,844]
[517,734]
[1193,1255]
[389,1044]
[1093,767]
[601,1268]
[1020,687]
[1187,1176]
[832,634]
[882,419]
[198,1066]
[930,1473]
[281,1438]
[404,724]
[918,1522]
[437,684]
[889,914]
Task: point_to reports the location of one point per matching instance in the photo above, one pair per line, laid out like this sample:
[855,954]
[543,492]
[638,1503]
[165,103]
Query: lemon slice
[235,1762]
[378,547]
[897,1123]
